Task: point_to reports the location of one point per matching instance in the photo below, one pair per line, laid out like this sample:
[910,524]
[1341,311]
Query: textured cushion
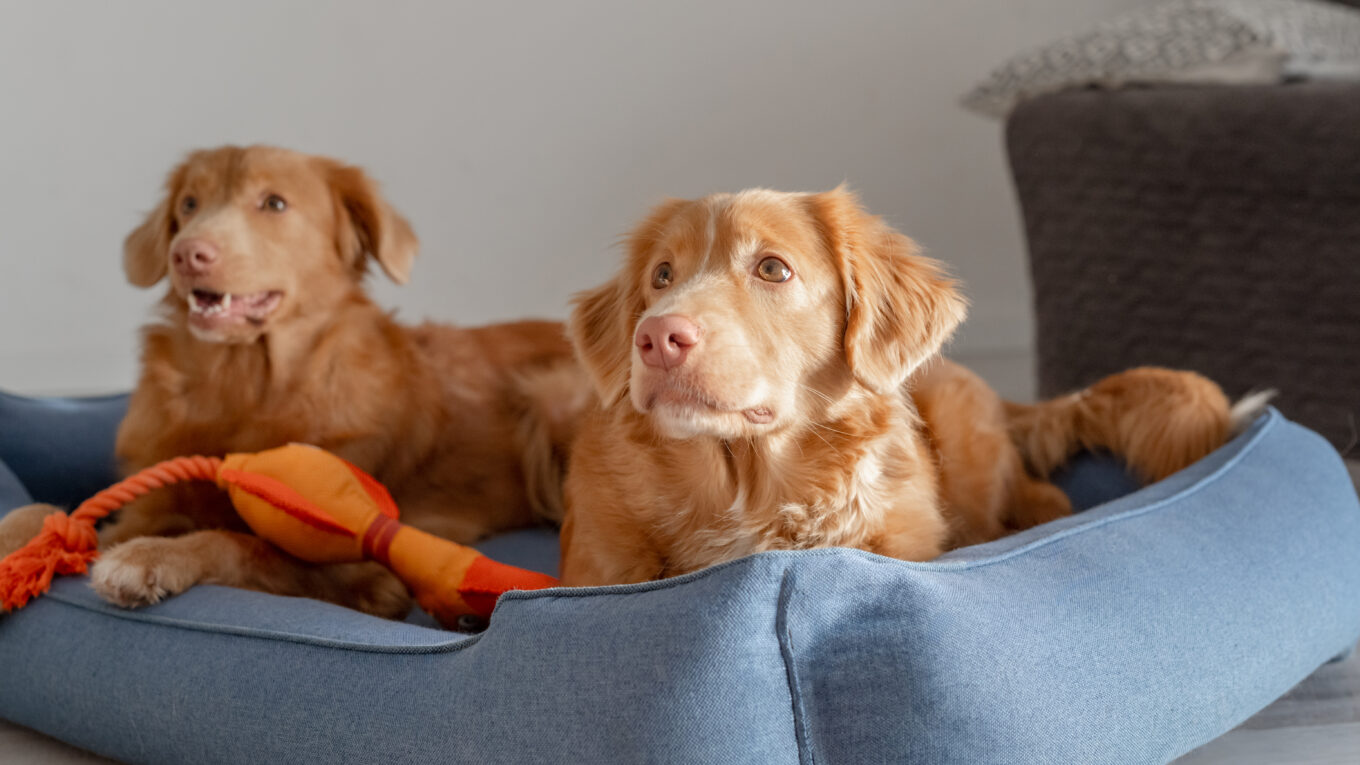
[1189,41]
[1132,632]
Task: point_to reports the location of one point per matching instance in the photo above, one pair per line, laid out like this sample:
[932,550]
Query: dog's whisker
[828,428]
[820,436]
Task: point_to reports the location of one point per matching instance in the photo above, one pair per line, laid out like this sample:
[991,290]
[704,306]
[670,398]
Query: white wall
[521,138]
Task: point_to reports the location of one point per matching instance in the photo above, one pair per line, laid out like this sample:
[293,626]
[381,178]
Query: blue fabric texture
[1131,633]
[61,448]
[12,491]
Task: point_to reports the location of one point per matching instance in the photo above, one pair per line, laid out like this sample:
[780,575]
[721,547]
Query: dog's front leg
[147,570]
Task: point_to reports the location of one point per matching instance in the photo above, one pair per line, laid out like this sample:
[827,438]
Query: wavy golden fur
[814,410]
[454,421]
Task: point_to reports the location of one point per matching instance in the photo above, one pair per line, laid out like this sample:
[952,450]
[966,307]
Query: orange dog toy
[313,504]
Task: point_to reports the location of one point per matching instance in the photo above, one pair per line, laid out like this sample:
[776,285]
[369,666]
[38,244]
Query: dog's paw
[375,590]
[143,571]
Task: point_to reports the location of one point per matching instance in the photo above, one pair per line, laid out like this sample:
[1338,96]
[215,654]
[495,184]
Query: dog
[266,336]
[768,373]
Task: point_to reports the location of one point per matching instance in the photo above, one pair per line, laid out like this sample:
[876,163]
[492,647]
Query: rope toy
[281,493]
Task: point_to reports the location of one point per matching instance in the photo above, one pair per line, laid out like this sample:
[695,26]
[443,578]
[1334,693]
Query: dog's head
[736,315]
[254,237]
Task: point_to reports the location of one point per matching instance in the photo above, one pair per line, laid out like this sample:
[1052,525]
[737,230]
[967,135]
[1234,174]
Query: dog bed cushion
[12,492]
[1131,632]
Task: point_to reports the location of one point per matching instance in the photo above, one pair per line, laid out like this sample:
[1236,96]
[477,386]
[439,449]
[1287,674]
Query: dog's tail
[555,399]
[1245,411]
[1157,420]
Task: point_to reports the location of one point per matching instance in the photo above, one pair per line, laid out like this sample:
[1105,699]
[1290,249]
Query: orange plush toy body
[309,502]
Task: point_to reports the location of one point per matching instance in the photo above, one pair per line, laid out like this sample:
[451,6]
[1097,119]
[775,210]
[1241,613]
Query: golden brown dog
[267,337]
[768,374]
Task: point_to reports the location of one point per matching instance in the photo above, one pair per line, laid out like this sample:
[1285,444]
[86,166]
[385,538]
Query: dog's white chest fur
[785,516]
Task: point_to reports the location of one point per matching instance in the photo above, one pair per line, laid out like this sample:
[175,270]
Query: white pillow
[1203,41]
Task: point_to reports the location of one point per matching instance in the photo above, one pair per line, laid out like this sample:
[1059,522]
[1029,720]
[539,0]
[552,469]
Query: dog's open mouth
[214,308]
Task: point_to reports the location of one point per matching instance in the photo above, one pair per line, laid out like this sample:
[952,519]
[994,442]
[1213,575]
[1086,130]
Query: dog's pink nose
[193,257]
[664,341]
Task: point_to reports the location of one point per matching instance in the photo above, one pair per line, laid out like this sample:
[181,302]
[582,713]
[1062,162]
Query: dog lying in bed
[266,337]
[768,370]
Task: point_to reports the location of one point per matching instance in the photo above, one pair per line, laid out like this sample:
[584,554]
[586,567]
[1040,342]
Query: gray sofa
[1208,227]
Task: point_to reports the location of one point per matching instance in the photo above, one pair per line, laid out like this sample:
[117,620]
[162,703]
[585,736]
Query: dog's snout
[665,341]
[193,257]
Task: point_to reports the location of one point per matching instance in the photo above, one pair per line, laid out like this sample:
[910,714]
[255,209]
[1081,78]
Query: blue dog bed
[1132,632]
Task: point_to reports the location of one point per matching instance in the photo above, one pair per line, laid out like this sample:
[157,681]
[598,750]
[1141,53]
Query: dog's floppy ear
[369,227]
[146,251]
[900,307]
[600,328]
[602,322]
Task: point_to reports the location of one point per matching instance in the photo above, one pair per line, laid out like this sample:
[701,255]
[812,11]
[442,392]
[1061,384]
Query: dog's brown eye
[274,203]
[188,205]
[773,269]
[661,277]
